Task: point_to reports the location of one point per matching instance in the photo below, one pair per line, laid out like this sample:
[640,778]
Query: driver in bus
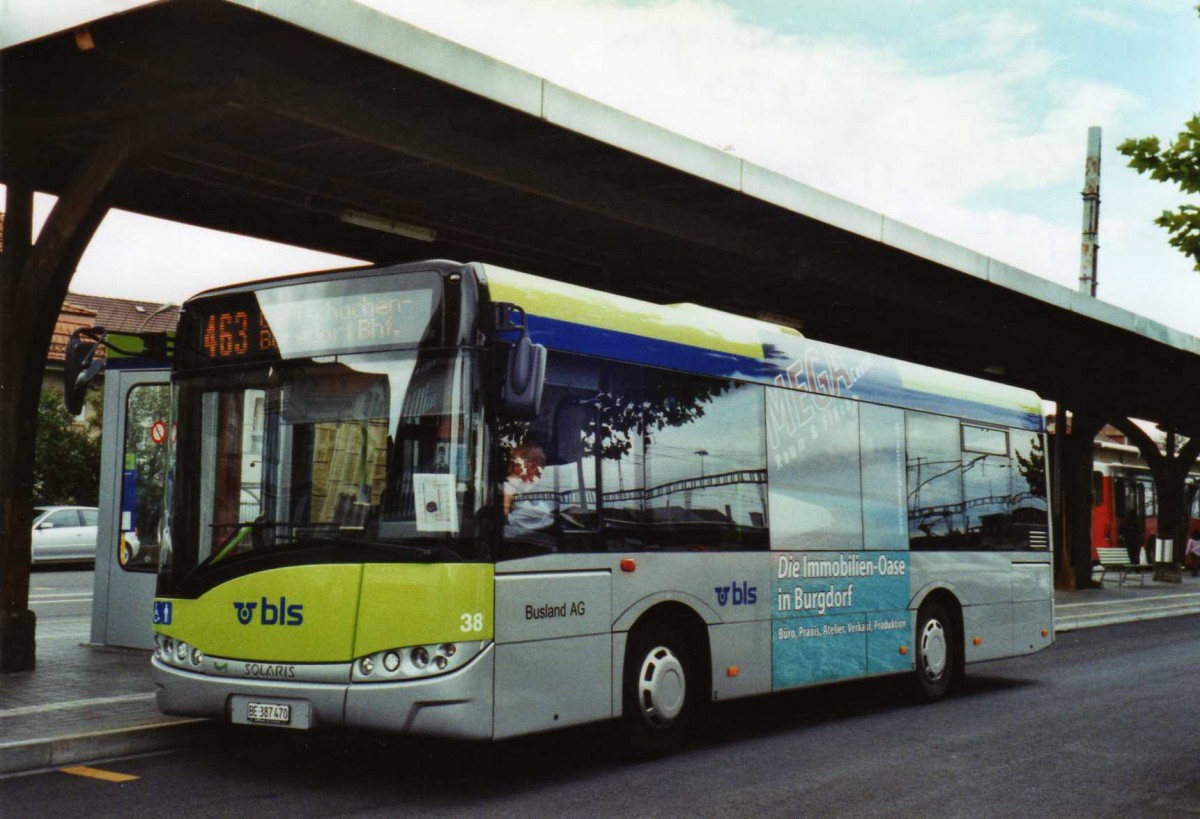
[527,519]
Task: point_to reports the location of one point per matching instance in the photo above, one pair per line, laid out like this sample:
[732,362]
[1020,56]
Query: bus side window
[815,470]
[935,486]
[547,488]
[1030,515]
[705,464]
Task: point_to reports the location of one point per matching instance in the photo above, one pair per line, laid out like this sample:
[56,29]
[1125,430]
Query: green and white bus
[458,500]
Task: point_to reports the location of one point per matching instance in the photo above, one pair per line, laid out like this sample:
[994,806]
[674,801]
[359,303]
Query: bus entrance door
[133,501]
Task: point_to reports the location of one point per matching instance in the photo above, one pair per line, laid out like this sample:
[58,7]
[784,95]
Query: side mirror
[80,368]
[45,525]
[525,376]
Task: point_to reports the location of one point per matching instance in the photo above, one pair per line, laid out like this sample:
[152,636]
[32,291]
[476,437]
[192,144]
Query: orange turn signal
[978,641]
[1045,633]
[732,671]
[903,650]
[628,564]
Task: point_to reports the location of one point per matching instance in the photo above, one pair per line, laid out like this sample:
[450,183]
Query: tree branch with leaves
[1180,164]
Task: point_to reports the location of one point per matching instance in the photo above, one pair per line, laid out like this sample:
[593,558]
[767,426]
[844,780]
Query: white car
[63,534]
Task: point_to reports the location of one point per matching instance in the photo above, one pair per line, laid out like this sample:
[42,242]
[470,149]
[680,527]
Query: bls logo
[245,612]
[271,614]
[743,594]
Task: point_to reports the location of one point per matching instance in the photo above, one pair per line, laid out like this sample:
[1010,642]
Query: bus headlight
[178,653]
[413,662]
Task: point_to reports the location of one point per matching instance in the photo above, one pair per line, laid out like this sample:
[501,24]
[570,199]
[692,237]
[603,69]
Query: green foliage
[1180,164]
[675,404]
[66,466]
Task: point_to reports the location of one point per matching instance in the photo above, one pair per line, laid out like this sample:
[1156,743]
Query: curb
[35,754]
[1096,620]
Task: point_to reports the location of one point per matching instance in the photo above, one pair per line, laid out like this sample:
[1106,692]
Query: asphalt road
[61,593]
[1101,725]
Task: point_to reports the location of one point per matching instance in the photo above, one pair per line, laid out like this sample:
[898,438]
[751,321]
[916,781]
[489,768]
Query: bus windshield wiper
[433,551]
[247,528]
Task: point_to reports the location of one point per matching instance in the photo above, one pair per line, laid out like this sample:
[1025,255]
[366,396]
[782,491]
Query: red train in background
[1125,502]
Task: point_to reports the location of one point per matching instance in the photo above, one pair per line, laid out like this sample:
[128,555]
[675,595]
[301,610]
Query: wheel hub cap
[934,651]
[662,688]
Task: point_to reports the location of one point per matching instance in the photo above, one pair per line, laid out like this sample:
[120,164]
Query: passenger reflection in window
[527,517]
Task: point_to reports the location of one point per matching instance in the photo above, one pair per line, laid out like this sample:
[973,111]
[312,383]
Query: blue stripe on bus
[882,386]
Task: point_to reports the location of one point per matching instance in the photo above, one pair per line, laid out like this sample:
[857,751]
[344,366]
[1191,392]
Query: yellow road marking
[96,773]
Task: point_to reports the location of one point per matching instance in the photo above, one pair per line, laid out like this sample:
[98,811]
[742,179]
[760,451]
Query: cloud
[1105,18]
[851,117]
[940,144]
[151,259]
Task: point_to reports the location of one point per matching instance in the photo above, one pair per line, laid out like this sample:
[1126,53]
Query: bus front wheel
[936,654]
[658,696]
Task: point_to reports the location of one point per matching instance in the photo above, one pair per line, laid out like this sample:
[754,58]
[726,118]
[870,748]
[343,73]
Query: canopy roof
[334,127]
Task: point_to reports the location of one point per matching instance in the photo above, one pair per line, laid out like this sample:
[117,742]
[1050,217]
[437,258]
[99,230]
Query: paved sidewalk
[82,703]
[1134,601]
[87,703]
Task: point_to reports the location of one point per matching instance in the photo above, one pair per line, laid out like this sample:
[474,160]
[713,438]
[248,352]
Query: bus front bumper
[458,704]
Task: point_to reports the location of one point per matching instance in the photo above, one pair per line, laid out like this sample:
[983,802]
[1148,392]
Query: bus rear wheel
[936,654]
[658,699]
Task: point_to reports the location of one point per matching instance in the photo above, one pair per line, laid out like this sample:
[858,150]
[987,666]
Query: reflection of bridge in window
[755,477]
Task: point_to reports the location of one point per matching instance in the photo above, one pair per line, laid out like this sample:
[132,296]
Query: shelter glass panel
[144,477]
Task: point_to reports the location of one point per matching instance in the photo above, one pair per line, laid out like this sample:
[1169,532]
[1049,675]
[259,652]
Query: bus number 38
[471,622]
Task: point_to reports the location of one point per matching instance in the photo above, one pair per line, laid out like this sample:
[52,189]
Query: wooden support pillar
[16,621]
[32,288]
[1072,470]
[33,293]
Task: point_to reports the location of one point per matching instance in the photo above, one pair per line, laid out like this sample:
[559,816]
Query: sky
[967,120]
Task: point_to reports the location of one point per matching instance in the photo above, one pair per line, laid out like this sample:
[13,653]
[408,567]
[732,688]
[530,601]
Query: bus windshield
[353,457]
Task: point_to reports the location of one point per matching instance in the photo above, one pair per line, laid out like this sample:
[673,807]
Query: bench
[1117,559]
